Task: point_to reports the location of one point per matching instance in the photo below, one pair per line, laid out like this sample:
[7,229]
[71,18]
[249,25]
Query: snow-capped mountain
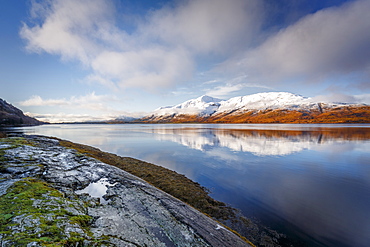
[206,105]
[272,107]
[263,101]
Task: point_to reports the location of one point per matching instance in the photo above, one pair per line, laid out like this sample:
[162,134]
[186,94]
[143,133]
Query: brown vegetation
[347,114]
[320,133]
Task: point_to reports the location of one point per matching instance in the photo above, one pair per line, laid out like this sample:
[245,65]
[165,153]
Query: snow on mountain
[262,101]
[206,105]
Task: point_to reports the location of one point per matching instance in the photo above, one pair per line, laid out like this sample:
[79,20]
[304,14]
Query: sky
[78,60]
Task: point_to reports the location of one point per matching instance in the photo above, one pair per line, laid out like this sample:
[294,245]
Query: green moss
[82,220]
[4,218]
[17,142]
[43,208]
[3,159]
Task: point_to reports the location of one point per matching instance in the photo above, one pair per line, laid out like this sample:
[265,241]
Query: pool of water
[97,189]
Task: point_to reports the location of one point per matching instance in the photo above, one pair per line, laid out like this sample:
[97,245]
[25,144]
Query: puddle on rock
[97,189]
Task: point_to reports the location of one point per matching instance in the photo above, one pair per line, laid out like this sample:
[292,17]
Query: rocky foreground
[55,196]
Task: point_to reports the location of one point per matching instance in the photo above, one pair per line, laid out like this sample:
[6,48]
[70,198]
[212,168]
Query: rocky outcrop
[54,195]
[12,116]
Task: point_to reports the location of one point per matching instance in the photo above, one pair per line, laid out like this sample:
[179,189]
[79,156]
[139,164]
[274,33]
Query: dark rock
[12,116]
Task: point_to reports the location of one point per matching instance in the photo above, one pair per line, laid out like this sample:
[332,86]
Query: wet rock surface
[58,195]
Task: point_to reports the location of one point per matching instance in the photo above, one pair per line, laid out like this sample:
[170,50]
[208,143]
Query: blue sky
[68,60]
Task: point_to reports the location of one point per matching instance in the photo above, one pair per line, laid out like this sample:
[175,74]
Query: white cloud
[363,98]
[207,25]
[166,46]
[65,117]
[95,108]
[160,52]
[221,91]
[102,80]
[335,97]
[68,28]
[36,100]
[330,42]
[233,85]
[85,31]
[90,101]
[345,98]
[147,68]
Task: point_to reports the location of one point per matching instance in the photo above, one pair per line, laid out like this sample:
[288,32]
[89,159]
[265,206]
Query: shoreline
[183,189]
[187,191]
[42,204]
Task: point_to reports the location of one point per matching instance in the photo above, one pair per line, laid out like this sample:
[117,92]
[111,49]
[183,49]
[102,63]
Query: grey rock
[125,210]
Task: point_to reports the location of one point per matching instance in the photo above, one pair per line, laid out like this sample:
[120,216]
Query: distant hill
[12,116]
[273,107]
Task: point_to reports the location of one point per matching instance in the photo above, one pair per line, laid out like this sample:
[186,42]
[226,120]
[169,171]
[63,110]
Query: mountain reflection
[260,142]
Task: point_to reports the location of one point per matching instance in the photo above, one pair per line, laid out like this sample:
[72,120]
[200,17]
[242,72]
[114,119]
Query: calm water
[310,181]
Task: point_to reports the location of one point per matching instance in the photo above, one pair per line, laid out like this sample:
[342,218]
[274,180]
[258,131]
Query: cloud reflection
[261,142]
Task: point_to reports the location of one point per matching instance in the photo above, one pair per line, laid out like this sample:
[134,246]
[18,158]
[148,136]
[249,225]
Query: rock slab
[92,203]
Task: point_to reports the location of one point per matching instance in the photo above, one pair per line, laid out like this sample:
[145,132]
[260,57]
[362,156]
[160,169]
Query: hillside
[12,116]
[275,107]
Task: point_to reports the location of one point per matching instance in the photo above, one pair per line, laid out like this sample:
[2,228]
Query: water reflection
[97,189]
[309,181]
[261,142]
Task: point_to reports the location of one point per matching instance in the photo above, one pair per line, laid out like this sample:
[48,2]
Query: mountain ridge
[271,107]
[203,103]
[12,116]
